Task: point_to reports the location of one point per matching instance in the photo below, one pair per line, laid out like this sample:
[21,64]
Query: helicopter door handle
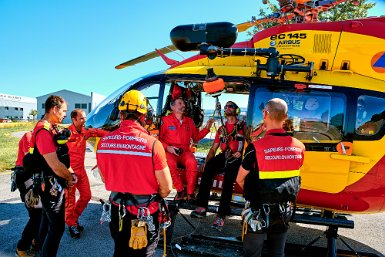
[349,72]
[351,158]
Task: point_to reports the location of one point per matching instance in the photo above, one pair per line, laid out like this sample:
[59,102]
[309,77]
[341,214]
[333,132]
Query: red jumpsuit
[77,151]
[24,144]
[179,134]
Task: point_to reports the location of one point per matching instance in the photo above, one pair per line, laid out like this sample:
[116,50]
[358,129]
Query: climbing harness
[106,213]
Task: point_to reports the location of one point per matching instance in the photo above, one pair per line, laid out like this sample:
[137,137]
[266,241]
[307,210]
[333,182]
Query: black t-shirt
[249,159]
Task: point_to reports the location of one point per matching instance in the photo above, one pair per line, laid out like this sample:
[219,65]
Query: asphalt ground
[367,237]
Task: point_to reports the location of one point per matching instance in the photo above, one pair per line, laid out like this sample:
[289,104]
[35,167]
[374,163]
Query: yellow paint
[328,172]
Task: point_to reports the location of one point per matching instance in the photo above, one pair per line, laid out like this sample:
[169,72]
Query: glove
[138,239]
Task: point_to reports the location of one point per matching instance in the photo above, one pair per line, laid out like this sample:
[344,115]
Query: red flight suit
[77,150]
[24,145]
[179,134]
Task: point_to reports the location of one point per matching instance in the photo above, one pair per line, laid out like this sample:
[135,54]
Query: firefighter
[50,154]
[270,176]
[230,139]
[176,133]
[28,245]
[77,148]
[133,167]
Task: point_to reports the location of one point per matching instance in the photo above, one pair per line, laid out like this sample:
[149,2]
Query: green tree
[33,112]
[347,11]
[344,11]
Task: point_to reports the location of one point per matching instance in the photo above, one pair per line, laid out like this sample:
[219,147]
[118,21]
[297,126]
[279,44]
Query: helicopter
[331,75]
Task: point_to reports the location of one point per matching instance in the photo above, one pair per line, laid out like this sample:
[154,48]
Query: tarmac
[366,237]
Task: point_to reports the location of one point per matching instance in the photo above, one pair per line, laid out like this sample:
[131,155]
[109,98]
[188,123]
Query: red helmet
[176,92]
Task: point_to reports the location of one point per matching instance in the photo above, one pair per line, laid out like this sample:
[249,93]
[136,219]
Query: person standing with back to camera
[270,176]
[28,245]
[133,167]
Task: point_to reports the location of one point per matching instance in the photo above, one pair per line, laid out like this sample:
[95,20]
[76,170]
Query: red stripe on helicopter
[378,62]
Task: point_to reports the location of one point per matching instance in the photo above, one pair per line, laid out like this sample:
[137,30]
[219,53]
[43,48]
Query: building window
[7,108]
[21,109]
[16,108]
[81,106]
[43,105]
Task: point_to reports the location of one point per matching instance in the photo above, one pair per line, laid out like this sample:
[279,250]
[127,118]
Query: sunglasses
[230,106]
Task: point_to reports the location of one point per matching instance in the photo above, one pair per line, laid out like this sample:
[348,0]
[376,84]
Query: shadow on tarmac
[96,239]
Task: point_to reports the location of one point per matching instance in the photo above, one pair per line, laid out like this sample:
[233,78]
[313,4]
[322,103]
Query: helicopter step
[232,245]
[200,245]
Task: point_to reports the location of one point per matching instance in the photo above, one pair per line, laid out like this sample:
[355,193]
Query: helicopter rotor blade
[146,57]
[245,26]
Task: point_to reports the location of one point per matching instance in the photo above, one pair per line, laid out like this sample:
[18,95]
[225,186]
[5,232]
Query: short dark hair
[127,115]
[75,112]
[52,101]
[236,105]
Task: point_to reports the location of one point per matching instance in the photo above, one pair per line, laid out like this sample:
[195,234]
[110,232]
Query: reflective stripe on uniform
[278,174]
[125,152]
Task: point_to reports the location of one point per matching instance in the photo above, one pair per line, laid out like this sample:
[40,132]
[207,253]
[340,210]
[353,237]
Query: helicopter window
[152,94]
[312,116]
[370,115]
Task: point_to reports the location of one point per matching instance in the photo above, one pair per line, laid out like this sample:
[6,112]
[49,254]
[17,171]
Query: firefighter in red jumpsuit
[176,133]
[270,176]
[133,167]
[28,244]
[77,149]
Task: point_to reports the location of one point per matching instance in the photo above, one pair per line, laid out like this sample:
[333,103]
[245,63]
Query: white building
[74,101]
[16,107]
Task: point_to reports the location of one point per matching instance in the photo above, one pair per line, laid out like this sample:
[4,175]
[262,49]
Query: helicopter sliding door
[317,118]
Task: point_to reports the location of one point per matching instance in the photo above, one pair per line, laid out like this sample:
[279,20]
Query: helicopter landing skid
[331,232]
[198,244]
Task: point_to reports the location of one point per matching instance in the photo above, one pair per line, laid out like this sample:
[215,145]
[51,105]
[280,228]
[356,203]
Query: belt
[129,199]
[258,205]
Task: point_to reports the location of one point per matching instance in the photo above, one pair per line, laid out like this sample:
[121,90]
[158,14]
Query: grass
[9,143]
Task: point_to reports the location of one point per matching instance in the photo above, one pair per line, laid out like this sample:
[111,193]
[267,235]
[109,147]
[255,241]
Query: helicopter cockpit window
[152,94]
[370,115]
[312,116]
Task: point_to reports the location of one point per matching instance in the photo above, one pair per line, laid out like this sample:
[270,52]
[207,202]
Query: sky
[47,46]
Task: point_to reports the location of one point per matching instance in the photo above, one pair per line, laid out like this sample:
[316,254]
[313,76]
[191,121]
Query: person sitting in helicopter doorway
[230,138]
[176,133]
[270,176]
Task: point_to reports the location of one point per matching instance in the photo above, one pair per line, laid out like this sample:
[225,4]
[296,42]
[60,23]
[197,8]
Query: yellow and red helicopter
[331,74]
